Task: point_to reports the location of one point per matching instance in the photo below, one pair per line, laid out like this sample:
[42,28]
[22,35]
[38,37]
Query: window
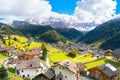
[27,58]
[37,69]
[23,76]
[60,72]
[22,71]
[30,65]
[60,67]
[65,76]
[28,75]
[18,72]
[97,74]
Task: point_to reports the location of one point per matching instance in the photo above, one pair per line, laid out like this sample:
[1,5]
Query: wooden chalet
[116,54]
[47,75]
[68,70]
[104,72]
[33,54]
[5,51]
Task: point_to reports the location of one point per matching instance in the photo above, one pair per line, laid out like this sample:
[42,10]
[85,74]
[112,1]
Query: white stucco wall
[65,72]
[32,73]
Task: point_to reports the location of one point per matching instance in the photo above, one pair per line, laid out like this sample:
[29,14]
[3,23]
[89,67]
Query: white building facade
[30,68]
[66,70]
[63,73]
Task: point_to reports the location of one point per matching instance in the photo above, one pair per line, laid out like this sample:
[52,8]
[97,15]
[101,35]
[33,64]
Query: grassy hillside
[7,29]
[101,62]
[70,33]
[112,43]
[108,32]
[52,36]
[20,39]
[57,55]
[30,29]
[36,31]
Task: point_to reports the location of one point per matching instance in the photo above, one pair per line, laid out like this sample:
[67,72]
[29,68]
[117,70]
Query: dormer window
[60,67]
[22,71]
[30,65]
[65,76]
[60,72]
[67,63]
[27,58]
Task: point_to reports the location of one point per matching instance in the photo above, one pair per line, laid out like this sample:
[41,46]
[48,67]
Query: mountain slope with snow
[62,22]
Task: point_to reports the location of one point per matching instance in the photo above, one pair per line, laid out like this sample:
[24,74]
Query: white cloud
[85,11]
[95,10]
[24,8]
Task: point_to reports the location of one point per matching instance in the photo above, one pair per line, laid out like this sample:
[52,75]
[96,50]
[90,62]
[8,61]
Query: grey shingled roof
[27,64]
[105,69]
[49,73]
[35,51]
[116,51]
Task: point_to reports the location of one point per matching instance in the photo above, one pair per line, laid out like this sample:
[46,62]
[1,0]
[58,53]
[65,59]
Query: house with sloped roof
[105,72]
[116,54]
[67,70]
[28,55]
[4,50]
[33,68]
[82,68]
[3,37]
[107,52]
[47,75]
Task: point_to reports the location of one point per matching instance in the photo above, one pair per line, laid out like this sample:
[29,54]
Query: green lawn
[2,57]
[59,56]
[95,63]
[20,38]
[12,70]
[101,62]
[12,76]
[52,50]
[84,58]
[116,64]
[97,44]
[55,55]
[33,45]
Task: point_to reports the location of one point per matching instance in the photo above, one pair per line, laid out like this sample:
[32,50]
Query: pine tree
[15,39]
[4,42]
[72,53]
[9,43]
[3,73]
[44,49]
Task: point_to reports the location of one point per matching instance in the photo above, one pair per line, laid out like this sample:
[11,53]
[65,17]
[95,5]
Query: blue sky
[118,7]
[1,18]
[68,6]
[78,10]
[63,6]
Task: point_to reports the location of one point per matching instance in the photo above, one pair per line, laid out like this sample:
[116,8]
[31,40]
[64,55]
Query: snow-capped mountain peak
[62,22]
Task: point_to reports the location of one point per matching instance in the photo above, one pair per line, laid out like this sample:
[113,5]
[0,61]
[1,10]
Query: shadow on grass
[12,70]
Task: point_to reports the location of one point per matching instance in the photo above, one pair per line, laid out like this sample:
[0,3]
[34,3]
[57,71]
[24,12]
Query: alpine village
[52,50]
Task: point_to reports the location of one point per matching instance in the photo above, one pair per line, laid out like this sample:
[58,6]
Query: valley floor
[56,55]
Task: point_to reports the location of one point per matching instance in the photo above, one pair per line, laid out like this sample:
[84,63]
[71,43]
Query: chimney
[67,63]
